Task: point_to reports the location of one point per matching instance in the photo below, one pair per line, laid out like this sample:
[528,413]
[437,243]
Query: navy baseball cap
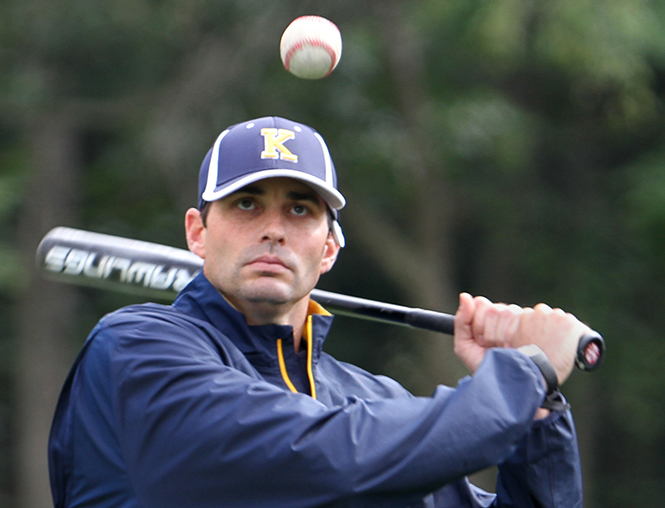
[270,147]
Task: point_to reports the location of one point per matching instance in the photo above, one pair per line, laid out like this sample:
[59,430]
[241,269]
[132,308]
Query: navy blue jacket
[186,406]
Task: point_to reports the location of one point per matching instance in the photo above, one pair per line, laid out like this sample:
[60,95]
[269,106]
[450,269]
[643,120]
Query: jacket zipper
[282,364]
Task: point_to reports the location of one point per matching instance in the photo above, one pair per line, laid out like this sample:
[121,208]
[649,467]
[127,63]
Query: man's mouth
[268,263]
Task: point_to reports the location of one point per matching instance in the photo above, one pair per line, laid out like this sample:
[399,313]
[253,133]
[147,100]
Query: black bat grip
[590,351]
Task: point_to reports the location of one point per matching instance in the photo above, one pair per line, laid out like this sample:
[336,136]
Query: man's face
[265,246]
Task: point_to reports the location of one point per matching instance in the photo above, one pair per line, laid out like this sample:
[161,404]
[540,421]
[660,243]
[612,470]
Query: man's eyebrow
[254,190]
[312,196]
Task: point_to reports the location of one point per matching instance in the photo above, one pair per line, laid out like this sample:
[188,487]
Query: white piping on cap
[213,168]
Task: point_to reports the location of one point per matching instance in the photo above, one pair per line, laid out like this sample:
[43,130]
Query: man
[225,398]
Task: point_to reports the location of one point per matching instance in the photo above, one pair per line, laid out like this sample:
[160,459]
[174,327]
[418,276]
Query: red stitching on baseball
[314,43]
[318,19]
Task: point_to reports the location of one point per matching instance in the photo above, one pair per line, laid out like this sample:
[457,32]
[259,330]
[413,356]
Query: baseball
[311,47]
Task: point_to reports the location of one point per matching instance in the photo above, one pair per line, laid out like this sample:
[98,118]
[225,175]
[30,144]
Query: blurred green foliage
[512,148]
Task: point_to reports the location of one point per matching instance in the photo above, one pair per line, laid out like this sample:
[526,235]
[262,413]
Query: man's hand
[481,324]
[556,332]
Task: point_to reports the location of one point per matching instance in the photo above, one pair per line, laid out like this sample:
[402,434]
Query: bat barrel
[105,261]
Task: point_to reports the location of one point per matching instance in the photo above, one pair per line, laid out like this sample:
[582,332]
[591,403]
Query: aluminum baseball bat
[161,272]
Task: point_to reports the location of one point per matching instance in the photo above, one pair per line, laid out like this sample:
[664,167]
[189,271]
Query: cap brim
[330,195]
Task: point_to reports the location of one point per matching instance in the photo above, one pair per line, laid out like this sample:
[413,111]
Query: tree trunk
[46,310]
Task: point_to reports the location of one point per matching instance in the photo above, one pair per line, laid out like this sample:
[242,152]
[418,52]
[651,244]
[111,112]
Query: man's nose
[273,230]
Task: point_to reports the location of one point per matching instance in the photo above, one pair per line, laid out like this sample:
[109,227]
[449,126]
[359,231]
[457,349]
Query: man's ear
[331,250]
[195,231]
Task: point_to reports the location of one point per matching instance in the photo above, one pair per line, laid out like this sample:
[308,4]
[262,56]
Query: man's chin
[272,293]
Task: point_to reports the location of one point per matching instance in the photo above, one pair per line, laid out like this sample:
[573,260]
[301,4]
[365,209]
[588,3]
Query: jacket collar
[201,300]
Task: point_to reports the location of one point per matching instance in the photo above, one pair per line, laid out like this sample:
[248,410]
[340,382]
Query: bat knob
[590,351]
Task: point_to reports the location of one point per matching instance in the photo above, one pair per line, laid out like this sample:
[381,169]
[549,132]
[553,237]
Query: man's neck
[271,314]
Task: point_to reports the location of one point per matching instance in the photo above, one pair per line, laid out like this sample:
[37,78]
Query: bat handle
[590,351]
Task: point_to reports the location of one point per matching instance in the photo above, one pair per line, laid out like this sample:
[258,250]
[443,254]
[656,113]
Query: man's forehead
[286,186]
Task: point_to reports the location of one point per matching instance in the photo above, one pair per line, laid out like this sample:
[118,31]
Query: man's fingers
[495,324]
[479,325]
[509,324]
[464,314]
[556,332]
[466,308]
[466,347]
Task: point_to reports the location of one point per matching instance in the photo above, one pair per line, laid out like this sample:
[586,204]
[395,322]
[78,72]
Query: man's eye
[300,210]
[246,204]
